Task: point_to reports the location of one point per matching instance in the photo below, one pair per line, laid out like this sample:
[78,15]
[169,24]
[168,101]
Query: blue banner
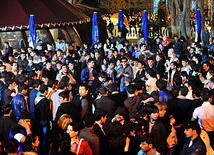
[198,26]
[95,30]
[120,20]
[145,25]
[32,32]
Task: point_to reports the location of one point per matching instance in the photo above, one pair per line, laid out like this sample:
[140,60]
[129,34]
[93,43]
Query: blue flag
[120,20]
[198,26]
[145,25]
[32,32]
[95,30]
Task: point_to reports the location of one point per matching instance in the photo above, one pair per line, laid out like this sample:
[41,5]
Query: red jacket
[84,147]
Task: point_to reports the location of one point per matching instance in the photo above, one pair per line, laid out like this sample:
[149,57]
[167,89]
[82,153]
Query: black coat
[68,108]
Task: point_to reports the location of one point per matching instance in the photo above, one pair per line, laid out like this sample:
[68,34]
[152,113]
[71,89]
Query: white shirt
[56,104]
[151,82]
[206,115]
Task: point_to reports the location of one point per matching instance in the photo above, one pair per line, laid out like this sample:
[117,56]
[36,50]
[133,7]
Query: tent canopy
[48,13]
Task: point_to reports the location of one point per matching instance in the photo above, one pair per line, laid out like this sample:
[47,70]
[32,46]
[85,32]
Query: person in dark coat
[194,144]
[100,119]
[98,83]
[159,64]
[43,116]
[157,129]
[177,45]
[106,103]
[132,101]
[116,96]
[6,122]
[66,107]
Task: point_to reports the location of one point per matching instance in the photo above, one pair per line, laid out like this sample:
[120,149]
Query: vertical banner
[95,30]
[32,32]
[198,26]
[145,25]
[120,20]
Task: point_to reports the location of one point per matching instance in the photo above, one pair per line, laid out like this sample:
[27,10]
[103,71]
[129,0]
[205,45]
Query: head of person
[173,65]
[183,91]
[11,83]
[64,68]
[100,115]
[23,89]
[184,75]
[184,62]
[73,129]
[102,76]
[162,108]
[176,37]
[12,146]
[141,65]
[89,121]
[161,84]
[206,66]
[147,143]
[31,142]
[83,90]
[14,66]
[192,50]
[177,80]
[37,83]
[64,97]
[206,95]
[48,64]
[6,109]
[65,142]
[124,62]
[131,89]
[24,117]
[23,79]
[150,62]
[90,63]
[43,89]
[111,65]
[140,85]
[153,112]
[103,91]
[63,121]
[192,130]
[149,73]
[63,84]
[210,74]
[113,87]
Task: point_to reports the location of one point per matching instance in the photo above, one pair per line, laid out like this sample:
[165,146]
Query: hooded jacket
[131,104]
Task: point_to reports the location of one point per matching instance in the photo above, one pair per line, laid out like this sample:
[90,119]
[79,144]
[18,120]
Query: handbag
[172,139]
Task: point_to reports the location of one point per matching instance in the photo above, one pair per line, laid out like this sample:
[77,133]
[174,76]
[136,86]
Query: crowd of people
[113,99]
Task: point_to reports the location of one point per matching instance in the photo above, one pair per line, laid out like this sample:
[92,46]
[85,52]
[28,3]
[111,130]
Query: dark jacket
[85,74]
[106,103]
[131,104]
[198,147]
[118,98]
[68,108]
[159,133]
[95,85]
[102,138]
[6,124]
[43,110]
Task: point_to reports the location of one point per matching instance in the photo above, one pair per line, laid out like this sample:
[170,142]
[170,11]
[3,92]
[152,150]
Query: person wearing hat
[194,144]
[165,42]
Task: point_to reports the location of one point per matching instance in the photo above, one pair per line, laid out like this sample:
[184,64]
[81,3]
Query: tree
[179,14]
[113,6]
